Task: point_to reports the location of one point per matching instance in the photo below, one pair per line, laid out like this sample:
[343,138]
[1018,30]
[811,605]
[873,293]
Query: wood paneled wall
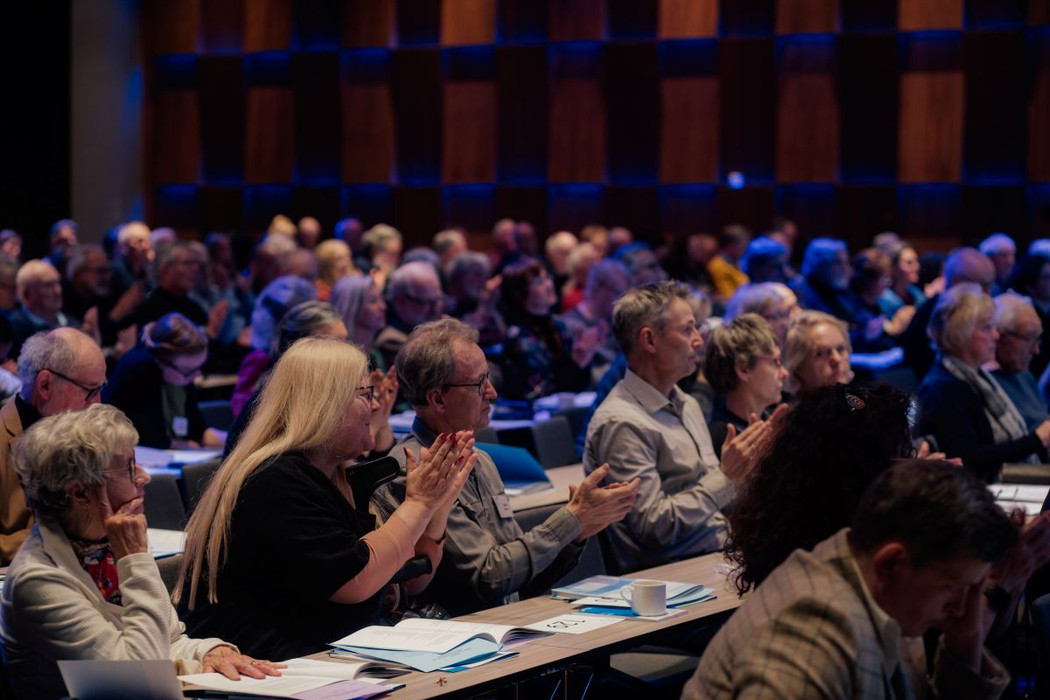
[924,116]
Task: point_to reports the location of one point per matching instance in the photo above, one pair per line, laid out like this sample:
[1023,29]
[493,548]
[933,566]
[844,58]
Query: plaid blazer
[812,630]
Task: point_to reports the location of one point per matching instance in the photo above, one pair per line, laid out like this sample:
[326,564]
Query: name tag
[180,425]
[502,502]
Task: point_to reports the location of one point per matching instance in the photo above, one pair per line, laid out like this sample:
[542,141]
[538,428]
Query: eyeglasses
[479,385]
[367,392]
[185,373]
[130,470]
[1029,339]
[92,391]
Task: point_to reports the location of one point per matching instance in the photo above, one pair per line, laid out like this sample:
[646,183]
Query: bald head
[969,265]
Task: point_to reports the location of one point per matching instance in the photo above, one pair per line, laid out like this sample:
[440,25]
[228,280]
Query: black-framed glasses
[1029,339]
[91,391]
[479,385]
[185,373]
[367,392]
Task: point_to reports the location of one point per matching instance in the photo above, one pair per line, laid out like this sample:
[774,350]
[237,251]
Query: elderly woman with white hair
[85,585]
[964,408]
[817,352]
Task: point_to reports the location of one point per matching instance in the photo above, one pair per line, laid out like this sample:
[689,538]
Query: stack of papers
[306,679]
[1027,497]
[430,645]
[606,591]
[165,543]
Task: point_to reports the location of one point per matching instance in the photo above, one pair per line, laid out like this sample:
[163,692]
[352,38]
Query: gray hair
[444,240]
[78,258]
[403,277]
[379,235]
[797,343]
[956,315]
[759,298]
[273,303]
[44,350]
[348,296]
[427,360]
[463,264]
[997,243]
[738,343]
[69,447]
[644,306]
[819,253]
[303,321]
[169,254]
[605,271]
[1007,309]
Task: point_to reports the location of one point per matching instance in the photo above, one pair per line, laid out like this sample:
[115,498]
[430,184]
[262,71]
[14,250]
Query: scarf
[96,557]
[1006,421]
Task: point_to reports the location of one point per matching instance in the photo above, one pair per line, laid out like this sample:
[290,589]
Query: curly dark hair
[830,447]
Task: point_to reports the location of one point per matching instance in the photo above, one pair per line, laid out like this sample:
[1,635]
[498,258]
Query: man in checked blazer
[846,620]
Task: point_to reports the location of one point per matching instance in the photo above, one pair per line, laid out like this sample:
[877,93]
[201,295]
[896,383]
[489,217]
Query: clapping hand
[436,477]
[597,506]
[740,453]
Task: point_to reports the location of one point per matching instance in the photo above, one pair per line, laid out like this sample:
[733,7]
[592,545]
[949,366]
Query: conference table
[561,652]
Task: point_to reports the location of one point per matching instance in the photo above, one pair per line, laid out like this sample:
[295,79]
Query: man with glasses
[413,297]
[61,370]
[1020,332]
[488,559]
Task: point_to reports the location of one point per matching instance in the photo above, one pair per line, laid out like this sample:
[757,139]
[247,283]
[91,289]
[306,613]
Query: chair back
[169,570]
[216,414]
[553,441]
[195,479]
[164,507]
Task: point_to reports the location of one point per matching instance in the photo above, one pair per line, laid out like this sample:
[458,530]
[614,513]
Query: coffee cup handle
[625,593]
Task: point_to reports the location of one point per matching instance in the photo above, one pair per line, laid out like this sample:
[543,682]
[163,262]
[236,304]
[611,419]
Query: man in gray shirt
[648,429]
[488,559]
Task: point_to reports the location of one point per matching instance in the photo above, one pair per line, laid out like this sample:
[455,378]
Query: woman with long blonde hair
[277,555]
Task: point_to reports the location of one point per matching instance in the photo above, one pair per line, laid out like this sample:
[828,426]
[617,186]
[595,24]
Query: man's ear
[889,560]
[647,338]
[42,385]
[436,398]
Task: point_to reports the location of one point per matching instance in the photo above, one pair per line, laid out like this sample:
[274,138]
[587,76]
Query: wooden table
[561,651]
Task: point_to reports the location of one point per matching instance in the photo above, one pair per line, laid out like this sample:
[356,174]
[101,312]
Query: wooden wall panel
[577,131]
[747,73]
[522,132]
[368,133]
[571,20]
[416,88]
[931,126]
[689,129]
[929,14]
[469,142]
[171,26]
[269,137]
[267,25]
[176,137]
[807,115]
[222,118]
[315,81]
[1038,13]
[468,22]
[632,106]
[1039,115]
[368,23]
[685,19]
[801,16]
[222,25]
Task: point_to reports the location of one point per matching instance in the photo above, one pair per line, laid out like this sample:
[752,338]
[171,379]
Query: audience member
[1020,333]
[40,291]
[606,283]
[85,584]
[62,238]
[178,268]
[350,231]
[284,491]
[641,261]
[333,263]
[1032,279]
[689,260]
[817,352]
[580,260]
[449,245]
[742,363]
[724,266]
[10,245]
[473,297]
[904,290]
[557,249]
[964,408]
[61,370]
[504,244]
[488,560]
[1002,251]
[765,260]
[153,385]
[382,245]
[871,330]
[649,429]
[826,275]
[300,262]
[360,305]
[8,284]
[772,301]
[413,297]
[619,236]
[87,281]
[224,283]
[525,241]
[931,273]
[131,267]
[540,357]
[963,265]
[308,233]
[270,307]
[845,620]
[598,236]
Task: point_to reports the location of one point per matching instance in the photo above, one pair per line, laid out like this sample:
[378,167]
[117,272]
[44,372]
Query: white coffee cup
[647,598]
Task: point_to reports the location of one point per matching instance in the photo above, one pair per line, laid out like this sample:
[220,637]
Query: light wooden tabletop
[560,650]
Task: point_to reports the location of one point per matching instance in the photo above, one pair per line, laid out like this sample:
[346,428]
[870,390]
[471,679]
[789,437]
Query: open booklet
[303,677]
[435,636]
